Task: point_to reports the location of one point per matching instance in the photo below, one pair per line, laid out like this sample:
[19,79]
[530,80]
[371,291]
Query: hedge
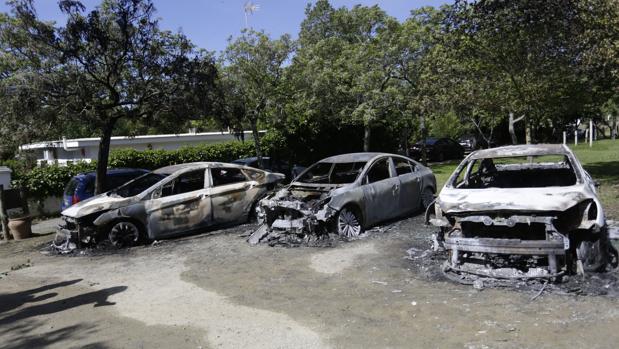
[42,182]
[153,159]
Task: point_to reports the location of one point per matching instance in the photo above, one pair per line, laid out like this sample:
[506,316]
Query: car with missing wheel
[167,202]
[521,212]
[344,194]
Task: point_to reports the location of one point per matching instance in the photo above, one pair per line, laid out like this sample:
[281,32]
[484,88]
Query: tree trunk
[528,131]
[613,132]
[424,136]
[256,135]
[102,158]
[512,132]
[366,137]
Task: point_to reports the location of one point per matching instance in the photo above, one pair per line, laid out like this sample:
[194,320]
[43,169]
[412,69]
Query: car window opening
[517,172]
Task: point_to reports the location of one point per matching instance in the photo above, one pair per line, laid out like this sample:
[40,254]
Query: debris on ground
[430,265]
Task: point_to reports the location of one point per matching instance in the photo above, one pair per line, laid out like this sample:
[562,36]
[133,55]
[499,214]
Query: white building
[86,149]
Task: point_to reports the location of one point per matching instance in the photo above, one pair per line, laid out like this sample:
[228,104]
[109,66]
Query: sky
[209,23]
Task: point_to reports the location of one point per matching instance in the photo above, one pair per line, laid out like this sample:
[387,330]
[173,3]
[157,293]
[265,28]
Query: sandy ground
[215,291]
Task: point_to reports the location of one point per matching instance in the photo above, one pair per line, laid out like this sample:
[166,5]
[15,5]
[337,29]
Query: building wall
[56,153]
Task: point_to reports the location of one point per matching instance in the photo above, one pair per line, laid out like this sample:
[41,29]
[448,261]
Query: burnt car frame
[170,201]
[345,194]
[521,212]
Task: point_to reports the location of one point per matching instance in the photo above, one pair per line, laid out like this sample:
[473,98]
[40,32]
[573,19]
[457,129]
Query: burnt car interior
[138,185]
[332,173]
[185,183]
[517,172]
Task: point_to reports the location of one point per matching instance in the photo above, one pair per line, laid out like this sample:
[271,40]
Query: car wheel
[440,157]
[349,223]
[594,255]
[124,233]
[427,197]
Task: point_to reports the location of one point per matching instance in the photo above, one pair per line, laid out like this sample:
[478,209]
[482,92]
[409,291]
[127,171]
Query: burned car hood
[306,191]
[557,199]
[98,203]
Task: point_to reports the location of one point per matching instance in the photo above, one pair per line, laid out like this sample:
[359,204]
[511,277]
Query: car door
[381,191]
[232,194]
[180,204]
[409,185]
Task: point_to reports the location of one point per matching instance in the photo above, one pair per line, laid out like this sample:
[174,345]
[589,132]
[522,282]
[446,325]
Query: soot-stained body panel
[343,195]
[173,200]
[528,211]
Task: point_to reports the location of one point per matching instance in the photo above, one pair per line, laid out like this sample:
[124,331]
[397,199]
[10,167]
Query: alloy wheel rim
[348,224]
[124,233]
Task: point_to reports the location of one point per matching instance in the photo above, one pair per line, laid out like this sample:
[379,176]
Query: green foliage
[41,182]
[448,125]
[153,159]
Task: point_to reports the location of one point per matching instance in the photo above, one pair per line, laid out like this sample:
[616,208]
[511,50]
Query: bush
[42,182]
[153,159]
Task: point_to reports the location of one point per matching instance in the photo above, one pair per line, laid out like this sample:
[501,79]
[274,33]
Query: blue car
[82,186]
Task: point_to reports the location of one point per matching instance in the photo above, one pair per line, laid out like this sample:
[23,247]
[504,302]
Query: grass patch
[601,161]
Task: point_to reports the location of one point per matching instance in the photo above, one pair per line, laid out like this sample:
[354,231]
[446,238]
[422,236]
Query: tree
[252,78]
[536,54]
[110,64]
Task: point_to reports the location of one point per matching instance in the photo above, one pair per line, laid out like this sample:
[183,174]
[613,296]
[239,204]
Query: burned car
[170,201]
[521,212]
[344,194]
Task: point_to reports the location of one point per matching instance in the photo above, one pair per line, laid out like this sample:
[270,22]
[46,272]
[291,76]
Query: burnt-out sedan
[170,201]
[344,194]
[522,212]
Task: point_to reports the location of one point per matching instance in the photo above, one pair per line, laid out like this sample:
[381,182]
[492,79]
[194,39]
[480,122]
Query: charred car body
[521,212]
[170,201]
[344,194]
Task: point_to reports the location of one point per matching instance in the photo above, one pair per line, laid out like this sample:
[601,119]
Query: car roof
[522,150]
[113,172]
[247,160]
[194,165]
[356,157]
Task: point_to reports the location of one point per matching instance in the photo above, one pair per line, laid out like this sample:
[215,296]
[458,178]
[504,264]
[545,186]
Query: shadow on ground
[10,302]
[605,171]
[23,335]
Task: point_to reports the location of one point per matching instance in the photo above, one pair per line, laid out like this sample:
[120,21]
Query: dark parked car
[438,149]
[272,165]
[82,186]
[471,143]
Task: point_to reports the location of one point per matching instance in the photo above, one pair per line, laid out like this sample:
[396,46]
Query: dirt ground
[216,291]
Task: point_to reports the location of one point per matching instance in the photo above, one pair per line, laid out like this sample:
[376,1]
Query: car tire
[427,197]
[348,222]
[440,157]
[124,233]
[594,254]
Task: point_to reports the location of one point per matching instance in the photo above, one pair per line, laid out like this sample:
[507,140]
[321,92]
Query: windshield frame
[466,166]
[145,192]
[297,180]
